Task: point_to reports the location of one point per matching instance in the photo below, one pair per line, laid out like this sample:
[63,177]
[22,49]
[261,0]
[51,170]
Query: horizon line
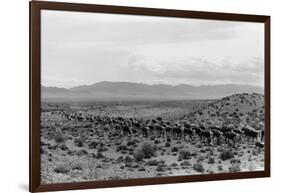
[154,84]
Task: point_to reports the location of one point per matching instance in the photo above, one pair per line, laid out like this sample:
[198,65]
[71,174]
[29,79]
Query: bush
[225,155]
[132,142]
[167,144]
[220,168]
[77,167]
[121,148]
[59,137]
[93,144]
[79,142]
[63,147]
[185,164]
[184,155]
[147,150]
[62,169]
[235,161]
[234,169]
[152,163]
[139,155]
[211,160]
[174,149]
[128,159]
[141,169]
[174,164]
[120,159]
[100,155]
[198,168]
[161,168]
[82,152]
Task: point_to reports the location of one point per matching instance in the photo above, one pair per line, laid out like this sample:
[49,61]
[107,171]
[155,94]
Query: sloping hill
[237,109]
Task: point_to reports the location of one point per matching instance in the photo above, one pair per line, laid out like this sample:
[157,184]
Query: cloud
[96,47]
[199,70]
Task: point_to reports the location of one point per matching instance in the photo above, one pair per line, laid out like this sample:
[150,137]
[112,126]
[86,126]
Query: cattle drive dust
[126,140]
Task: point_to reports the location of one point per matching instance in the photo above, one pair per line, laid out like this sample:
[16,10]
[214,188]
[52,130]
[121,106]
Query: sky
[84,48]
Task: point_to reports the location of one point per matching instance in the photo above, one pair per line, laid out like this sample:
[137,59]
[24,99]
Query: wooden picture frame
[35,93]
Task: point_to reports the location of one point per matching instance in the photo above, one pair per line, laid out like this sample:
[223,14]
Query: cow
[230,136]
[206,136]
[217,136]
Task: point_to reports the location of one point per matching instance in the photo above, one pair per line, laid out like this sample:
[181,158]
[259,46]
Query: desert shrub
[123,152]
[156,141]
[200,158]
[211,160]
[159,118]
[63,169]
[132,142]
[128,159]
[199,146]
[42,151]
[220,168]
[120,159]
[114,178]
[225,155]
[198,167]
[174,149]
[121,148]
[135,165]
[141,169]
[235,161]
[148,150]
[174,164]
[255,152]
[77,166]
[88,125]
[100,155]
[168,139]
[139,155]
[202,150]
[82,152]
[63,147]
[59,137]
[152,163]
[161,168]
[79,142]
[185,164]
[184,155]
[234,169]
[93,144]
[167,144]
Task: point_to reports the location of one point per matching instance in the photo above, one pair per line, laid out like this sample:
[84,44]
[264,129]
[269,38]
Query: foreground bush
[152,163]
[198,168]
[147,150]
[62,169]
[225,155]
[59,137]
[184,155]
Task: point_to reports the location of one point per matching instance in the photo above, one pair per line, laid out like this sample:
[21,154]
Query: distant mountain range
[137,91]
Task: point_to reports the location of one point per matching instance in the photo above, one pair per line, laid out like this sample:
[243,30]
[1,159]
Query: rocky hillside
[238,109]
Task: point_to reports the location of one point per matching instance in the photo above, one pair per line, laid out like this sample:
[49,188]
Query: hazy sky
[84,48]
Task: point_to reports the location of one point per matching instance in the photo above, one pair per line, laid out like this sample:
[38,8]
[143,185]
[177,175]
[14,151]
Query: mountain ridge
[107,89]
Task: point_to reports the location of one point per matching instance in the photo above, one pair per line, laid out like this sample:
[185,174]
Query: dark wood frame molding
[35,87]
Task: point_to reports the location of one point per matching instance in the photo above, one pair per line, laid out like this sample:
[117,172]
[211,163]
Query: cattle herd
[81,145]
[182,130]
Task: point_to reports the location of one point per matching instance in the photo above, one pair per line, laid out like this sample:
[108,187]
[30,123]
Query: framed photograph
[123,96]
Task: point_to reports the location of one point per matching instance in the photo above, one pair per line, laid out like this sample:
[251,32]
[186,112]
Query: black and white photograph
[132,96]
